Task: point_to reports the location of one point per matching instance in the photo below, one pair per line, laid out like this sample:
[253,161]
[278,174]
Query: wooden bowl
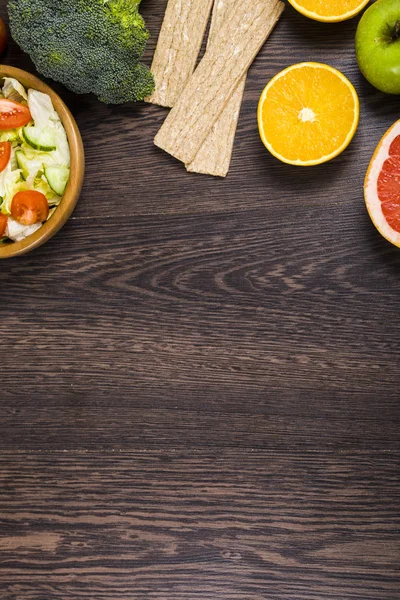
[74,186]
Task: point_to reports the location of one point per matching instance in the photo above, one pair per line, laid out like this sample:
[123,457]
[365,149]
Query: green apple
[378,45]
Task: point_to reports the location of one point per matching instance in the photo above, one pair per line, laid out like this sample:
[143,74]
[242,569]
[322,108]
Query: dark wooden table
[199,377]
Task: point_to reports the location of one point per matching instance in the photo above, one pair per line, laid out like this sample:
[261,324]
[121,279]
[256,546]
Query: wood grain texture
[274,319]
[181,526]
[200,378]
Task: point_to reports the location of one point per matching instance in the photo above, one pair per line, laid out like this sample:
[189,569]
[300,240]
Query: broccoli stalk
[88,45]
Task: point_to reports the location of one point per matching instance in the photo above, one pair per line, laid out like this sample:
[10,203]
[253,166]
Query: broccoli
[88,45]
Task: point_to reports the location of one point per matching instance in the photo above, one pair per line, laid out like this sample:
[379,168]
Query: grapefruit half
[382,186]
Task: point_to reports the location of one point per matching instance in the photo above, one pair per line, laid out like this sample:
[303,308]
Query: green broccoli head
[88,45]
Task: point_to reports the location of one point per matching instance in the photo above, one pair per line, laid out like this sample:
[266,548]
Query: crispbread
[214,156]
[216,78]
[178,48]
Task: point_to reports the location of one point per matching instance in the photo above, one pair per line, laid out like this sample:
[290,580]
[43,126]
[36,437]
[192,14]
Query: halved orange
[308,114]
[329,11]
[382,186]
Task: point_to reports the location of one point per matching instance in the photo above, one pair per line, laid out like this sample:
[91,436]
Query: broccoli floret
[88,45]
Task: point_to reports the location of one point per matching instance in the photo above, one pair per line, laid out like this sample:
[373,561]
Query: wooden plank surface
[237,525]
[200,378]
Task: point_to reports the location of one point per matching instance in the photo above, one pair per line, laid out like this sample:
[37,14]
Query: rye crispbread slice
[178,48]
[214,156]
[216,78]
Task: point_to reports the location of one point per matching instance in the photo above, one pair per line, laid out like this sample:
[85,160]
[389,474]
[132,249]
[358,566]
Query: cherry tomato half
[3,37]
[13,114]
[3,224]
[29,207]
[5,153]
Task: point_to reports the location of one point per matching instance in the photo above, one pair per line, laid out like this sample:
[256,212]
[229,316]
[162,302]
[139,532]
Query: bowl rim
[74,186]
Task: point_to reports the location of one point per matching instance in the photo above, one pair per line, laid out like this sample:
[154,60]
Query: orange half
[329,11]
[308,114]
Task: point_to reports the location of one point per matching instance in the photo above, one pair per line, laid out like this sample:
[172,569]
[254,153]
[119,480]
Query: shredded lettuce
[10,184]
[17,232]
[13,160]
[61,155]
[34,162]
[14,90]
[11,135]
[45,117]
[41,108]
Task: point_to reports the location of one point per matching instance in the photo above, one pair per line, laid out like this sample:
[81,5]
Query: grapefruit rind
[322,159]
[328,19]
[374,206]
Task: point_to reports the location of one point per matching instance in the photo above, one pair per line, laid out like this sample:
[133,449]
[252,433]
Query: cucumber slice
[57,178]
[23,164]
[40,140]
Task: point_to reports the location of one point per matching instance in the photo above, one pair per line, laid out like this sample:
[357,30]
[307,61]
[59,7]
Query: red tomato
[3,37]
[5,153]
[13,114]
[3,224]
[29,207]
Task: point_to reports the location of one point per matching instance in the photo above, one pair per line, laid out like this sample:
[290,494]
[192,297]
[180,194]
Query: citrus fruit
[329,11]
[382,186]
[308,114]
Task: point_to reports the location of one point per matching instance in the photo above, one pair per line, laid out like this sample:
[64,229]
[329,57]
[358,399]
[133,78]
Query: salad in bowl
[34,160]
